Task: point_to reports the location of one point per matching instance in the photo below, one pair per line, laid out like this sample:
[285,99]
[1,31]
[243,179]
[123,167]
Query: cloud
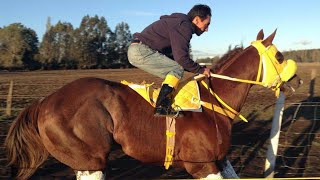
[303,42]
[140,13]
[201,54]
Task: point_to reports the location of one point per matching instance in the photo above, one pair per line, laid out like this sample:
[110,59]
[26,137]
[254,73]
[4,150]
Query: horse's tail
[23,144]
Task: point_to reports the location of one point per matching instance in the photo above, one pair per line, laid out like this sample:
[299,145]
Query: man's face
[201,26]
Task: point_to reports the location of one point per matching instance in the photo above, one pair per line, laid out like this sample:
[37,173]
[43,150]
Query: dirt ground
[298,153]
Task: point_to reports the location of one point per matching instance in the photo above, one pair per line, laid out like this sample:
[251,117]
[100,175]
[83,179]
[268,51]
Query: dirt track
[299,141]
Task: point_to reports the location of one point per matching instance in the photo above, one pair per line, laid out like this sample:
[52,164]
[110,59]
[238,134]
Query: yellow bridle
[274,74]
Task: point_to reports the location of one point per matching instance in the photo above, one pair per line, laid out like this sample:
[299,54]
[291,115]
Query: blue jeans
[153,62]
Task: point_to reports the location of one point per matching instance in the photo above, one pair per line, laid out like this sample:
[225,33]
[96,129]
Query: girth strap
[170,140]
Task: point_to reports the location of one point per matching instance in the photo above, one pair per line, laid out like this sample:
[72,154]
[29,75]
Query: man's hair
[200,10]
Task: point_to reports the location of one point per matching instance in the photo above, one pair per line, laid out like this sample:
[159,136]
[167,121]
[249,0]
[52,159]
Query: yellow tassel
[277,92]
[169,150]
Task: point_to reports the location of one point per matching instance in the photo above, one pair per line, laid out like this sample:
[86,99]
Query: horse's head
[273,71]
[276,71]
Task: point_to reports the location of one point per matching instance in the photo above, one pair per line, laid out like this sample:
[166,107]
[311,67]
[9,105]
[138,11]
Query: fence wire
[298,149]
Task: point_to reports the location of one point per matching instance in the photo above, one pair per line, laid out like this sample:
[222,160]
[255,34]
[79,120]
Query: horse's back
[69,97]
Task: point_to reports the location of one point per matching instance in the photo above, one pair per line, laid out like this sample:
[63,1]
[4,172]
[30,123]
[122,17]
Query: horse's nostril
[300,81]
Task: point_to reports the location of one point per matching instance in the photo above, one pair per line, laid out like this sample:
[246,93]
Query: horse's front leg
[226,169]
[213,170]
[204,170]
[200,159]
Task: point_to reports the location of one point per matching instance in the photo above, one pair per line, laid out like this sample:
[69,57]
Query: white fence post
[274,137]
[9,99]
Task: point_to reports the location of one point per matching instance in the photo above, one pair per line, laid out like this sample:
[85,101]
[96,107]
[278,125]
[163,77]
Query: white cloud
[303,42]
[140,13]
[201,54]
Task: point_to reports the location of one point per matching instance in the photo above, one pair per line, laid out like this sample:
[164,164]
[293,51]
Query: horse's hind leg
[83,141]
[88,175]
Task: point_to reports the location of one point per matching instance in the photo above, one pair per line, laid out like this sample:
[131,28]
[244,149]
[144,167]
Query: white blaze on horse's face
[274,72]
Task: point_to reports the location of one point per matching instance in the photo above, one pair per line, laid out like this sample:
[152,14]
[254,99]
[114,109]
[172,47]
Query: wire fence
[299,144]
[298,151]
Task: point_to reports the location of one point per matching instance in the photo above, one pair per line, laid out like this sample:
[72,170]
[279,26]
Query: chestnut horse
[78,123]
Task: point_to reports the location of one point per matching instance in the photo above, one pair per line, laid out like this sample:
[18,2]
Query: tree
[48,25]
[123,38]
[18,45]
[90,43]
[55,49]
[190,52]
[310,55]
[112,56]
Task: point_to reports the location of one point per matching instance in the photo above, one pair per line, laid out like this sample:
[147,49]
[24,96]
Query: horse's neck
[235,93]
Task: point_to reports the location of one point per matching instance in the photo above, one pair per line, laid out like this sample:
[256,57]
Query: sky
[233,22]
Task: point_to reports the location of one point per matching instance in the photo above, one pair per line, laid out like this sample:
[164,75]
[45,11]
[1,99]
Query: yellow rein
[229,111]
[239,80]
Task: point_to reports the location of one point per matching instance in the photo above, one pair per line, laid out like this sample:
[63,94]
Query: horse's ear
[260,35]
[268,40]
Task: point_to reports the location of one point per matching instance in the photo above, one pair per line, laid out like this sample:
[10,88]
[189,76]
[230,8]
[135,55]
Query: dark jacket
[172,34]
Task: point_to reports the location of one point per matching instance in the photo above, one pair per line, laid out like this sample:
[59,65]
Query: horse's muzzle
[289,88]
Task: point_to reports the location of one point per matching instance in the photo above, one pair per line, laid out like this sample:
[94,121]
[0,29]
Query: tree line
[92,45]
[308,55]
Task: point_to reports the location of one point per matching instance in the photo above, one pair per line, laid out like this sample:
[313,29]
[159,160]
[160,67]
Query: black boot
[163,104]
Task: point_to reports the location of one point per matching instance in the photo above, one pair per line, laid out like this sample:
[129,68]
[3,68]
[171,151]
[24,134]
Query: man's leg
[159,65]
[153,62]
[164,100]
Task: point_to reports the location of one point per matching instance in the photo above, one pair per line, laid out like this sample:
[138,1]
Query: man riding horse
[162,49]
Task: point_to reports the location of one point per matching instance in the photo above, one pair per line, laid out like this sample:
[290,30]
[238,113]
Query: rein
[273,77]
[219,138]
[227,111]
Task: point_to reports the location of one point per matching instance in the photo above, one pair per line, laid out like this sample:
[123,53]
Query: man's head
[200,16]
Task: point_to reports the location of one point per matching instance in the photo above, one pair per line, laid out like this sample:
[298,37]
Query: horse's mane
[231,53]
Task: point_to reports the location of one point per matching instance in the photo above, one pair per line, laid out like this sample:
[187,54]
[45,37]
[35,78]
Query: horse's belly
[143,147]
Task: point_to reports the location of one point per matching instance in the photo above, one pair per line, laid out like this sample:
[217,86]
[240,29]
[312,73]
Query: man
[162,49]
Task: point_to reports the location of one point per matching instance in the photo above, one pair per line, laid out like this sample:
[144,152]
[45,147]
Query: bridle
[274,75]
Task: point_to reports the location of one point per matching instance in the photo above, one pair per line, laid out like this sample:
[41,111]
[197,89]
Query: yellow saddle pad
[186,97]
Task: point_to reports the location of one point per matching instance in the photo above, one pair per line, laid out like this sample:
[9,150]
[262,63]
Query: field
[298,154]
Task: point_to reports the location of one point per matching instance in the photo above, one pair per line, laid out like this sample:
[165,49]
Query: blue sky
[233,22]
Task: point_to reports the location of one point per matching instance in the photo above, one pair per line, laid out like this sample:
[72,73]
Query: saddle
[186,96]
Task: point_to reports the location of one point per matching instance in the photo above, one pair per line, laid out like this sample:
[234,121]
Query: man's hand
[207,72]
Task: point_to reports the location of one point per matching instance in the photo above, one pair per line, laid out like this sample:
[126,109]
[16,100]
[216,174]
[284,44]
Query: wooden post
[312,83]
[274,137]
[9,99]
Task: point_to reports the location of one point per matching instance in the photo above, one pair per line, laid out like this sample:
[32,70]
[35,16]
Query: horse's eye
[279,57]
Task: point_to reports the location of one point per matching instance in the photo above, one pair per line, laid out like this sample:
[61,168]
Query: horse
[79,123]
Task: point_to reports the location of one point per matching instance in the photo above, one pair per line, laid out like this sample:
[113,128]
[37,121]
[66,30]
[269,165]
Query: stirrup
[161,112]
